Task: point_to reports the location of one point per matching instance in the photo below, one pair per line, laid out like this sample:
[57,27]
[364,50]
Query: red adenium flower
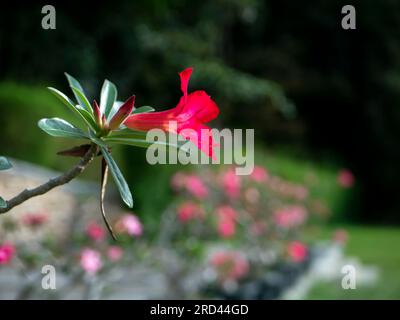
[192,112]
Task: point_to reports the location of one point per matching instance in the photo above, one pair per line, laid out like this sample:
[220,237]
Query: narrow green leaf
[3,203]
[88,117]
[83,101]
[81,98]
[57,127]
[64,98]
[4,163]
[107,98]
[143,143]
[118,178]
[134,142]
[78,110]
[143,110]
[128,133]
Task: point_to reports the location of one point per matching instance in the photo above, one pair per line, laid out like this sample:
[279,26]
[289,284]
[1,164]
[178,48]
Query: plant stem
[54,182]
[104,178]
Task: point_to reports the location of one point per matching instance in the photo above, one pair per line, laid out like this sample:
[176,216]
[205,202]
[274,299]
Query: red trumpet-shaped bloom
[192,112]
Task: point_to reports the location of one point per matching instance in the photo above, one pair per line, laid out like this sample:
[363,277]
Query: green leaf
[134,142]
[143,143]
[81,98]
[78,110]
[107,98]
[57,127]
[88,117]
[143,110]
[3,203]
[118,178]
[4,163]
[128,133]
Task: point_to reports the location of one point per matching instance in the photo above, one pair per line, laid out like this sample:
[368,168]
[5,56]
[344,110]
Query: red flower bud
[97,113]
[124,111]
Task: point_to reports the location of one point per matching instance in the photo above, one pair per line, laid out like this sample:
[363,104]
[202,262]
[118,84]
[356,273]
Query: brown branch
[52,183]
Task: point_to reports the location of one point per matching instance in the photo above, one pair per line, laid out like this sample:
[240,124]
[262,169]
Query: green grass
[376,246]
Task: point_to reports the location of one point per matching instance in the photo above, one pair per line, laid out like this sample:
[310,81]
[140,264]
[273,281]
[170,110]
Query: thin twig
[52,183]
[104,178]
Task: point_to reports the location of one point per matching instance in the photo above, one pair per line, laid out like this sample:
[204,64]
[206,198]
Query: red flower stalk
[192,112]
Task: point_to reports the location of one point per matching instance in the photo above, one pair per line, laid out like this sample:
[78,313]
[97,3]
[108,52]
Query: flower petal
[200,105]
[185,76]
[200,135]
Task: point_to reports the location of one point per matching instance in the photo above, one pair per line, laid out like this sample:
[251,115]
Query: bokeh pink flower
[7,252]
[226,216]
[129,224]
[196,187]
[345,178]
[231,184]
[226,228]
[188,211]
[297,251]
[259,174]
[290,217]
[95,232]
[90,261]
[178,181]
[230,265]
[114,253]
